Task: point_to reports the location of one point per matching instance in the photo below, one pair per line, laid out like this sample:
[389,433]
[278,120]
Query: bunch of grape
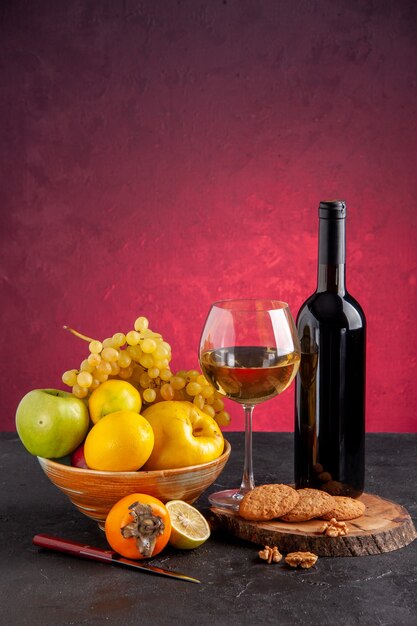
[142,357]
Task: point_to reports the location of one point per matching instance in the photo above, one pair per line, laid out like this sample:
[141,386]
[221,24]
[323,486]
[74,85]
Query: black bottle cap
[332,209]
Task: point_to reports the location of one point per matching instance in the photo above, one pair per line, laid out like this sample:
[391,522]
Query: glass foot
[229,498]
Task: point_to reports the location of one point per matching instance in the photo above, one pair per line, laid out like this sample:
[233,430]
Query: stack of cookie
[277,501]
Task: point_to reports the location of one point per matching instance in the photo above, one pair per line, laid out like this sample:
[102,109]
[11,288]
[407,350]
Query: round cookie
[345,508]
[268,502]
[312,503]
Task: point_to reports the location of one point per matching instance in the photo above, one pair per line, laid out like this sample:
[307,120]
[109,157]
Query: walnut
[334,487]
[325,477]
[272,555]
[303,559]
[334,528]
[318,468]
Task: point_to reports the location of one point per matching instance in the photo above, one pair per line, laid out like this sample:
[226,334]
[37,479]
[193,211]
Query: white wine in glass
[250,352]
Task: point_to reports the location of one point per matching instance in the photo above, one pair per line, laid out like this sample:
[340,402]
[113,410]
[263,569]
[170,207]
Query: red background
[157,156]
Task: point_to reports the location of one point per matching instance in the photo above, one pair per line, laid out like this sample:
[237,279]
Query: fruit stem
[78,334]
[145,527]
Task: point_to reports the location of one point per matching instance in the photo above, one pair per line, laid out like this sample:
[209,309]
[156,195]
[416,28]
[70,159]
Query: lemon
[119,442]
[189,528]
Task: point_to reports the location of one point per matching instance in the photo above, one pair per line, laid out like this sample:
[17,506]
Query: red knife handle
[72,547]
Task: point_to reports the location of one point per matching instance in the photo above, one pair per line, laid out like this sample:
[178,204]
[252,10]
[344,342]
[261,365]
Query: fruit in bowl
[77,457]
[184,435]
[130,425]
[111,396]
[51,422]
[95,492]
[120,441]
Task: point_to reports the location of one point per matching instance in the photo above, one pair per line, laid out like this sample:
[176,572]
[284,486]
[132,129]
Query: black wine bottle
[329,442]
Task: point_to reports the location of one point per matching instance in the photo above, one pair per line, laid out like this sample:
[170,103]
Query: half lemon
[189,528]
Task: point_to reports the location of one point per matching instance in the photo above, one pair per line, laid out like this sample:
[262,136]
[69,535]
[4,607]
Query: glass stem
[248,482]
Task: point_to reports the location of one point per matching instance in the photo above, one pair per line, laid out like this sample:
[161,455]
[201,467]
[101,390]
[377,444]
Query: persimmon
[138,526]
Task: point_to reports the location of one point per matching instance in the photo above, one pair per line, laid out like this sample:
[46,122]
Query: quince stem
[78,334]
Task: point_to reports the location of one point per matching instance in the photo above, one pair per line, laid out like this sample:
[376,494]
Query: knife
[106,556]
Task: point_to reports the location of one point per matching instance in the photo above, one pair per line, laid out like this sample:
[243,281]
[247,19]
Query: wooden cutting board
[384,527]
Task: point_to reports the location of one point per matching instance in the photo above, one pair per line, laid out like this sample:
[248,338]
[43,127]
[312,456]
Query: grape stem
[77,334]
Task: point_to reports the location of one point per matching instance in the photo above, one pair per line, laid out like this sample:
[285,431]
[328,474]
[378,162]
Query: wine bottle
[329,433]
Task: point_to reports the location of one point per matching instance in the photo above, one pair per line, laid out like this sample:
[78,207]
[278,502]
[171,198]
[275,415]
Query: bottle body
[329,431]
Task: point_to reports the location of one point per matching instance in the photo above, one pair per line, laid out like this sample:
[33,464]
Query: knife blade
[59,544]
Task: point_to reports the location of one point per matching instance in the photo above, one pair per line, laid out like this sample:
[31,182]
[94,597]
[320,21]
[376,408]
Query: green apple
[51,423]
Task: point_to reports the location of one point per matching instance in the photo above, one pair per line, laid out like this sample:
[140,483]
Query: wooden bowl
[94,492]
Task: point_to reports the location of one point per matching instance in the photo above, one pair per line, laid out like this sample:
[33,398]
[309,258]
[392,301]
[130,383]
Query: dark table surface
[47,588]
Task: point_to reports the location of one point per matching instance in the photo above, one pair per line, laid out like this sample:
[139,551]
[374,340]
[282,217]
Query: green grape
[165,374]
[161,363]
[94,359]
[84,379]
[103,367]
[199,401]
[69,377]
[79,392]
[135,352]
[177,382]
[218,404]
[149,395]
[209,410]
[161,352]
[115,368]
[118,340]
[100,375]
[125,372]
[144,380]
[146,360]
[192,375]
[86,367]
[141,324]
[95,346]
[222,418]
[124,359]
[167,392]
[132,338]
[207,391]
[109,354]
[148,346]
[193,389]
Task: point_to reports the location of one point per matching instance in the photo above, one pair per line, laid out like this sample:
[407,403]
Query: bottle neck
[332,278]
[332,256]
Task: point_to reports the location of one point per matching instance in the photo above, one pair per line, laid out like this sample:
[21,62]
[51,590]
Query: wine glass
[250,352]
